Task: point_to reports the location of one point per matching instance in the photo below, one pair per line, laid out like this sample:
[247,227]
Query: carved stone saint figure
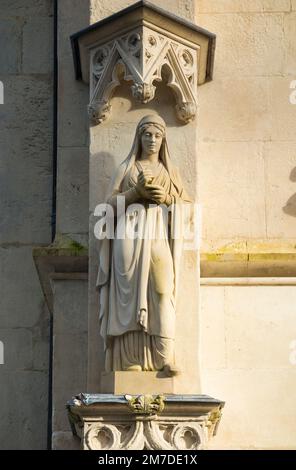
[138,276]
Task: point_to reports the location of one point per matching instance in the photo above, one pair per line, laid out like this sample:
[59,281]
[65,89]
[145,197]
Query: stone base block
[137,383]
[118,422]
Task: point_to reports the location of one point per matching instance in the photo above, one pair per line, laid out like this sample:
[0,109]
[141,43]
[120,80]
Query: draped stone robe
[138,296]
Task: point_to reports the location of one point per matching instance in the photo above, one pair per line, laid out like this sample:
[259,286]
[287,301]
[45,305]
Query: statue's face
[151,140]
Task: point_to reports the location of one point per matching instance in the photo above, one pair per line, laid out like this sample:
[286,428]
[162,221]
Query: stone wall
[246,181]
[247,139]
[72,167]
[247,337]
[26,63]
[247,160]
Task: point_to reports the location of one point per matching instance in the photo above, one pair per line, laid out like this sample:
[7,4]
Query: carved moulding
[117,422]
[143,45]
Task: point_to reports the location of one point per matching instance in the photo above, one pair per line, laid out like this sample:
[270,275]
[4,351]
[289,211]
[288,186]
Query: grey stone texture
[72,194]
[65,441]
[37,45]
[70,346]
[26,163]
[23,396]
[73,161]
[10,51]
[26,70]
[27,8]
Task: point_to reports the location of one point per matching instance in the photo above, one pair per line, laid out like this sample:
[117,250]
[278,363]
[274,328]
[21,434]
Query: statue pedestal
[118,422]
[137,383]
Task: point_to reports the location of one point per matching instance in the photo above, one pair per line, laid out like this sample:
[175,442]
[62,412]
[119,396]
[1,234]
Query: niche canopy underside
[143,45]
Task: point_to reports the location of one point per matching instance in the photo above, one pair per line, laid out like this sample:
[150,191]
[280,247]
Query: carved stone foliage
[144,57]
[174,422]
[146,404]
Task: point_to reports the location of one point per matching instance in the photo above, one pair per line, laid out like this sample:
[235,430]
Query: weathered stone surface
[73,100]
[26,213]
[258,326]
[259,38]
[290,33]
[20,290]
[23,397]
[26,190]
[40,337]
[28,99]
[280,188]
[72,95]
[70,346]
[266,112]
[18,348]
[255,392]
[97,348]
[238,206]
[69,320]
[72,190]
[102,9]
[64,440]
[74,12]
[283,111]
[70,367]
[249,258]
[37,45]
[256,330]
[10,52]
[99,10]
[26,193]
[212,325]
[13,8]
[230,6]
[235,110]
[137,383]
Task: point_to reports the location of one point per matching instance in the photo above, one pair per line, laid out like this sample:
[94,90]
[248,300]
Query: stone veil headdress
[164,156]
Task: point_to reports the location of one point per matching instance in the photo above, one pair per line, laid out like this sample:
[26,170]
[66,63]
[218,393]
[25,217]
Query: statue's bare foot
[134,368]
[171,370]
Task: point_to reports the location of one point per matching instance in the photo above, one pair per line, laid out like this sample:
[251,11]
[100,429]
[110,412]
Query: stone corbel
[118,422]
[143,45]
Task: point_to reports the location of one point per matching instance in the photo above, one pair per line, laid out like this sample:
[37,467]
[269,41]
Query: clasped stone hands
[147,190]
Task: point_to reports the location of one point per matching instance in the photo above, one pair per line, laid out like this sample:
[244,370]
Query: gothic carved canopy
[143,45]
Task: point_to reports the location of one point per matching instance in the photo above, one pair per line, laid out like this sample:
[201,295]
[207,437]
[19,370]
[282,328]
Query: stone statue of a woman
[138,276]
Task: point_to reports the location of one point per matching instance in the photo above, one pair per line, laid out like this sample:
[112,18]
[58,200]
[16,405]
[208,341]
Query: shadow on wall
[290,207]
[106,163]
[123,102]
